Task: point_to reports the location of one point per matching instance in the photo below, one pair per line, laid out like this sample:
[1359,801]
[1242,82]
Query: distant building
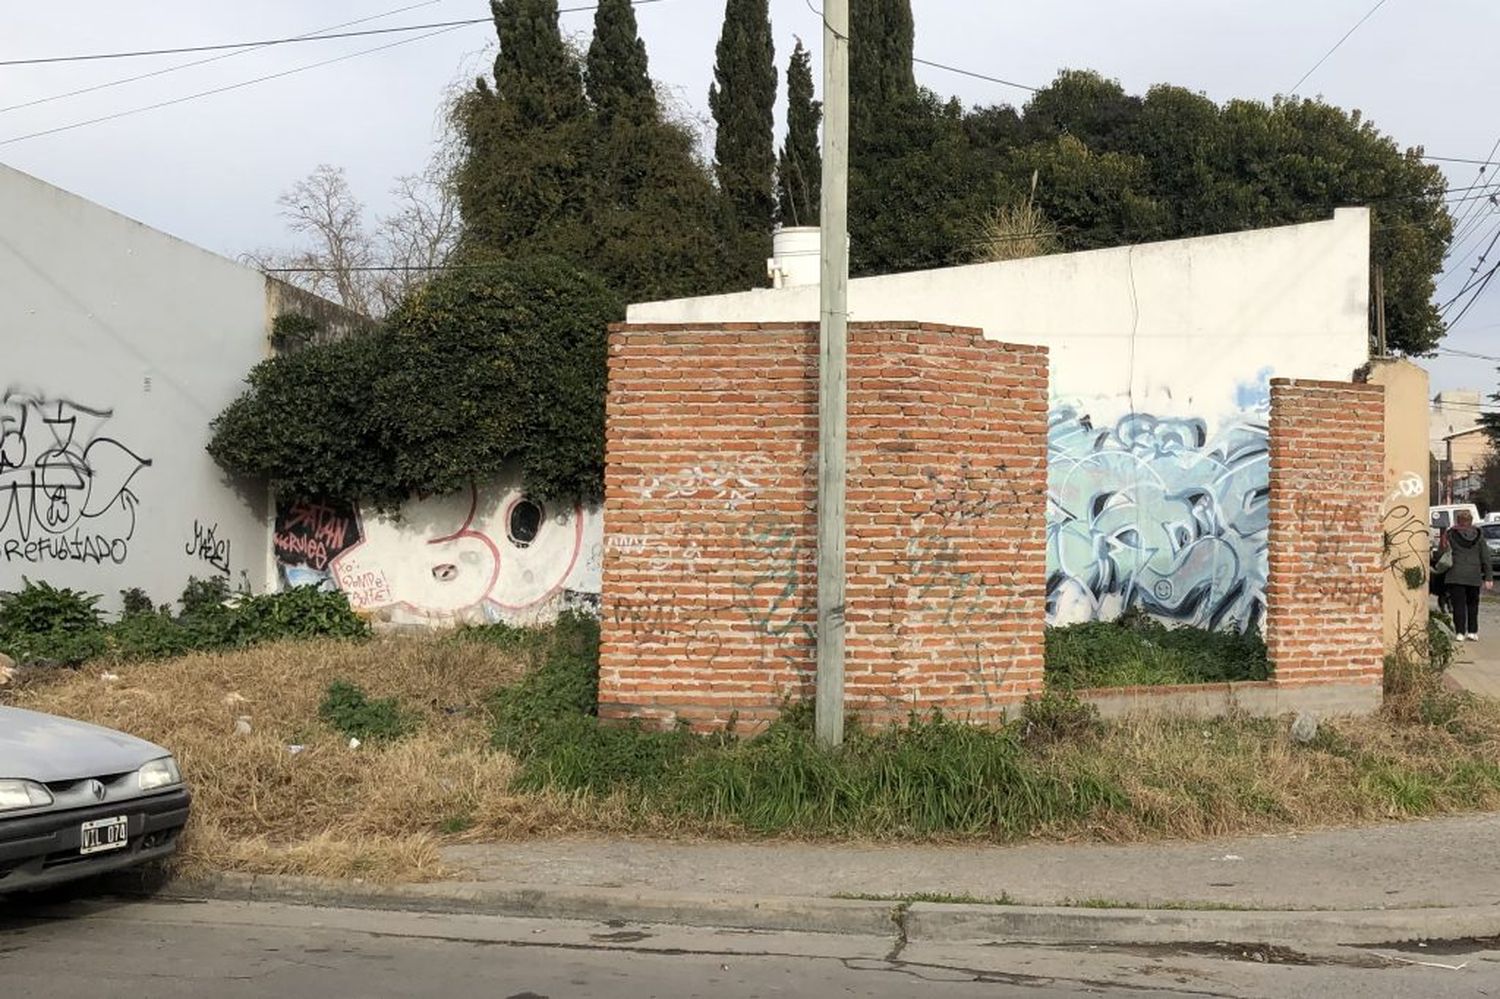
[1466,454]
[1454,411]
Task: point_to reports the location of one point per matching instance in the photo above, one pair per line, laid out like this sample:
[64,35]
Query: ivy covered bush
[495,362]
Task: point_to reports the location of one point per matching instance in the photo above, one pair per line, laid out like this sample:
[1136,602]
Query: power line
[1478,293]
[1478,177]
[221,90]
[203,62]
[1336,46]
[262,43]
[1470,284]
[977,76]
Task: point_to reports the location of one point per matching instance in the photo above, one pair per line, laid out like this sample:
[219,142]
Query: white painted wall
[466,558]
[1181,325]
[118,345]
[1160,359]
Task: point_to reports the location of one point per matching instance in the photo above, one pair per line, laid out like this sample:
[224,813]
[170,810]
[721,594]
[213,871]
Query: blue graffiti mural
[1153,514]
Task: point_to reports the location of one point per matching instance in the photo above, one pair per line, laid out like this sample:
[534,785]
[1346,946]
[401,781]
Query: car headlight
[159,773]
[23,794]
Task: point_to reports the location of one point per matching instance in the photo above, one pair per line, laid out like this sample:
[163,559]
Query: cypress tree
[799,174]
[655,219]
[617,74]
[523,183]
[535,72]
[743,102]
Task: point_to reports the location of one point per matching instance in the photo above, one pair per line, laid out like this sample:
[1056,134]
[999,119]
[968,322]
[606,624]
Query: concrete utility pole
[832,371]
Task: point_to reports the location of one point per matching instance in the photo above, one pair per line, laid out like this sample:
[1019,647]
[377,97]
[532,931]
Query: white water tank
[797,256]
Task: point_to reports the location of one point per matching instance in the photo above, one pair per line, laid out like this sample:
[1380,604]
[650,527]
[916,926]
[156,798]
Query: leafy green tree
[799,172]
[1117,169]
[497,363]
[743,102]
[1095,199]
[617,74]
[523,183]
[882,36]
[918,184]
[1085,105]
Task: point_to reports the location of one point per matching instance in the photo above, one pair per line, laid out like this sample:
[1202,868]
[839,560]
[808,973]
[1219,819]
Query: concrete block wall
[1324,600]
[709,605]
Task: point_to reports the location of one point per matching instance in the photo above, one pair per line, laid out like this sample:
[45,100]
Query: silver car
[1491,534]
[78,800]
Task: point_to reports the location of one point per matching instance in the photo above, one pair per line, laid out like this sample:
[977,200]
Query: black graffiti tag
[209,547]
[64,485]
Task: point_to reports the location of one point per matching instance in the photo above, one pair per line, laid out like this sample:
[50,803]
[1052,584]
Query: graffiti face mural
[482,555]
[1155,514]
[65,485]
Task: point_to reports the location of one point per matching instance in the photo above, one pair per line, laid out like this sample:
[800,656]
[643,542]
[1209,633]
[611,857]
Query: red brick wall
[947,521]
[709,599]
[1324,620]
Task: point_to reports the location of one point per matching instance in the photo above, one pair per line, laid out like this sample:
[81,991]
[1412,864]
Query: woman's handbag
[1445,558]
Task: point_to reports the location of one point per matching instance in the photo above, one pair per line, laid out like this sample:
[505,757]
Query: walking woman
[1471,569]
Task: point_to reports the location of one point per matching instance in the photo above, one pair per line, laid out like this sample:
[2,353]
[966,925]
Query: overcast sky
[210,169]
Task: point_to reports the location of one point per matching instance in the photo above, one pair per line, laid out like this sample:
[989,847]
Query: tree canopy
[495,364]
[576,158]
[742,100]
[799,169]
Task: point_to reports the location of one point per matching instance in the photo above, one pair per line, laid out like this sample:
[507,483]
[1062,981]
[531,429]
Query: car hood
[45,748]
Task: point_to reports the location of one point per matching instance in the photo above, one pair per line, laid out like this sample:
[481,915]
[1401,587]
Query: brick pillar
[947,522]
[1324,597]
[710,526]
[709,600]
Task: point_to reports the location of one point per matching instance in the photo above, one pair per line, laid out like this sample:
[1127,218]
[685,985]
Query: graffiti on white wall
[1156,514]
[483,555]
[65,483]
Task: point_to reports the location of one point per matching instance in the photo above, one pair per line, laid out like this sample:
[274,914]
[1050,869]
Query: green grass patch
[1135,650]
[1056,770]
[930,776]
[351,712]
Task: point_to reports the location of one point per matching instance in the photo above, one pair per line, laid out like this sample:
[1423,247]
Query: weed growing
[47,626]
[351,712]
[1136,650]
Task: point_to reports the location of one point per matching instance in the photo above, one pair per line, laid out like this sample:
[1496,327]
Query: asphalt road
[165,950]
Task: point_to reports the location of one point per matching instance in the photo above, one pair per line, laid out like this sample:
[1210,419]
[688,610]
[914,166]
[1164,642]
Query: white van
[1443,517]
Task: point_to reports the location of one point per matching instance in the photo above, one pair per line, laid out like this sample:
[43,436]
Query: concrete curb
[811,915]
[1055,925]
[922,922]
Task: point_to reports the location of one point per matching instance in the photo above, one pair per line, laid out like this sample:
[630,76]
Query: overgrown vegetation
[1136,650]
[496,363]
[499,740]
[50,626]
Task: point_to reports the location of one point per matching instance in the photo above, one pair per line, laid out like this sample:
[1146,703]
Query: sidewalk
[1443,862]
[1478,667]
[1433,880]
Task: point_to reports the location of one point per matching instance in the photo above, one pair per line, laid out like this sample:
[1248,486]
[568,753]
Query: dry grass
[373,812]
[1193,779]
[382,812]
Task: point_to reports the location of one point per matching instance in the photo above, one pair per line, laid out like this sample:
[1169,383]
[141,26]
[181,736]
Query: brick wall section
[709,603]
[1324,614]
[709,600]
[947,530]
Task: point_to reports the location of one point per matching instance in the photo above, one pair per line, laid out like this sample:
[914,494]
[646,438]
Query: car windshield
[1440,518]
[1491,531]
